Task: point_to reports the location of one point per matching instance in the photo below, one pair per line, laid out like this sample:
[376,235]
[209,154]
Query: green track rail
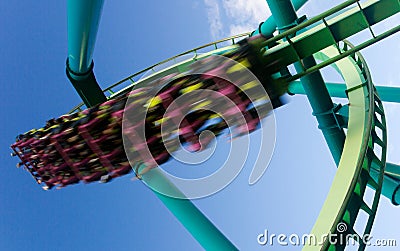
[300,41]
[363,158]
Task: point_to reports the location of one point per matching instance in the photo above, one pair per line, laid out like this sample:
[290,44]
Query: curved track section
[364,154]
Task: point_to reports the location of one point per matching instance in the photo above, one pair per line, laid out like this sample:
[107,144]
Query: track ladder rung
[366,208]
[373,183]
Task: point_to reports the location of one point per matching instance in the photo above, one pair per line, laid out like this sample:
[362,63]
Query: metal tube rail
[338,90]
[313,84]
[83,22]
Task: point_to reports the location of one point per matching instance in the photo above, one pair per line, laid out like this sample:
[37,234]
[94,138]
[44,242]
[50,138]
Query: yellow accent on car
[237,67]
[154,101]
[160,121]
[249,85]
[215,116]
[192,87]
[201,105]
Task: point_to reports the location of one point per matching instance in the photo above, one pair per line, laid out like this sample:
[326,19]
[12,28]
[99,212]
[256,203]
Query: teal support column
[334,89]
[268,27]
[313,84]
[83,22]
[198,225]
[393,171]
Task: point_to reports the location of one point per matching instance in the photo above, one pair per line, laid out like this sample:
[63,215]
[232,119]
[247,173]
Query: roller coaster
[90,142]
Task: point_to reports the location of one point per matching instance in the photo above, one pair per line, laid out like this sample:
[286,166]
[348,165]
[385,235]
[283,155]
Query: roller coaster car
[71,148]
[260,66]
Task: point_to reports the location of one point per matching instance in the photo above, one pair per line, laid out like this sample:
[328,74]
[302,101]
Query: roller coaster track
[363,159]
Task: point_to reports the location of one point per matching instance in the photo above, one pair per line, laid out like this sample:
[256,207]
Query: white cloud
[214,18]
[241,16]
[245,15]
[239,29]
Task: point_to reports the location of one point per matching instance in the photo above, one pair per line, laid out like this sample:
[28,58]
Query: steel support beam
[269,26]
[83,23]
[198,225]
[338,90]
[313,84]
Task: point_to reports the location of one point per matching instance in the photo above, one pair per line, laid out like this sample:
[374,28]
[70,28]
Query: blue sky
[125,215]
